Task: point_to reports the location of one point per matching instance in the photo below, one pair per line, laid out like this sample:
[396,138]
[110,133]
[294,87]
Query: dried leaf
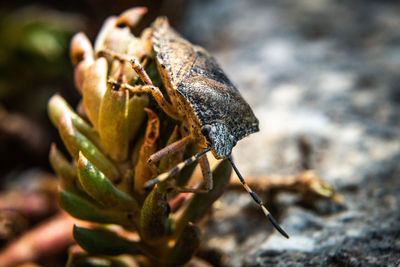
[143,172]
[80,48]
[118,39]
[132,16]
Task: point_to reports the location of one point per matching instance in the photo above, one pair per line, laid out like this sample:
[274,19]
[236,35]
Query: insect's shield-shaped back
[109,138]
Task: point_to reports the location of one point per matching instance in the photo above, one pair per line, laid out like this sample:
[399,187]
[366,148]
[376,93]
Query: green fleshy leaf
[185,246]
[101,261]
[63,168]
[75,142]
[122,261]
[93,89]
[89,261]
[82,207]
[154,222]
[201,203]
[104,242]
[101,189]
[57,106]
[113,124]
[136,113]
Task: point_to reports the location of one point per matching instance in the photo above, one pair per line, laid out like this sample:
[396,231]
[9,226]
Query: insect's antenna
[164,176]
[257,200]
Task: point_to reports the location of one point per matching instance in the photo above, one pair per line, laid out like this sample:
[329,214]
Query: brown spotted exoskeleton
[211,110]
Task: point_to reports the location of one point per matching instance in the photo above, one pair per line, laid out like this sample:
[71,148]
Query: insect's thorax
[190,125]
[201,92]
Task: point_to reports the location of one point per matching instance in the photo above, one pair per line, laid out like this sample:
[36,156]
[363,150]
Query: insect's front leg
[205,187]
[157,94]
[168,150]
[149,87]
[207,179]
[136,66]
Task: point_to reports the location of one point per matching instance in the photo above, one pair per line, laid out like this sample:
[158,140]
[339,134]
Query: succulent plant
[109,139]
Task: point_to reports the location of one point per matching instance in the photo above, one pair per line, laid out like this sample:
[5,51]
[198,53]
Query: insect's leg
[155,91]
[257,200]
[164,176]
[140,71]
[207,174]
[207,178]
[136,66]
[174,147]
[157,94]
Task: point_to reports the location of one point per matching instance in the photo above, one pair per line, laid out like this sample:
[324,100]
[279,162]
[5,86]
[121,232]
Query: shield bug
[211,110]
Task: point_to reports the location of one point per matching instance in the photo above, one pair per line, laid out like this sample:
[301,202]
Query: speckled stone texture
[327,71]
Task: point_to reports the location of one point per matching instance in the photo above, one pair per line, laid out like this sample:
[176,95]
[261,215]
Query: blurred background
[34,63]
[320,72]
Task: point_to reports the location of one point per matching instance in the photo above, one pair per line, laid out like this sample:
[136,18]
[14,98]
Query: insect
[211,110]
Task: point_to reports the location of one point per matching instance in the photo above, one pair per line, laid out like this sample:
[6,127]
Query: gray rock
[327,71]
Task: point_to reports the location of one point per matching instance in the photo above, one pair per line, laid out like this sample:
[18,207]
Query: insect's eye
[205,130]
[233,140]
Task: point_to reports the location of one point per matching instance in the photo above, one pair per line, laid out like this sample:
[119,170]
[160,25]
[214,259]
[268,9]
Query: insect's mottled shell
[208,93]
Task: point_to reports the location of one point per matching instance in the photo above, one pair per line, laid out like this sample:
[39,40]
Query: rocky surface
[326,71]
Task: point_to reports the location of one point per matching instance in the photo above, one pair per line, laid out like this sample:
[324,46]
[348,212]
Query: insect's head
[220,139]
